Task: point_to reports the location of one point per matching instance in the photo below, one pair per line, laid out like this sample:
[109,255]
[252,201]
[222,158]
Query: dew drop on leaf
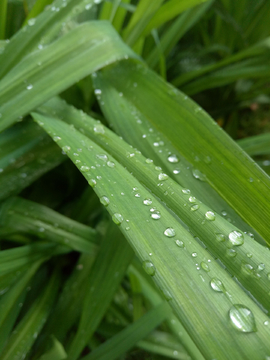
[149,267]
[205,266]
[192,199]
[155,215]
[99,129]
[236,238]
[217,285]
[66,148]
[110,164]
[162,176]
[242,318]
[186,191]
[194,207]
[173,159]
[92,182]
[103,157]
[220,237]
[169,232]
[210,215]
[56,138]
[105,200]
[194,254]
[84,168]
[180,243]
[117,218]
[231,252]
[147,201]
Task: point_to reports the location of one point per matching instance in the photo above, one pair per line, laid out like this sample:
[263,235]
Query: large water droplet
[105,200]
[84,168]
[149,267]
[205,266]
[162,176]
[99,129]
[169,232]
[155,215]
[217,285]
[180,243]
[173,159]
[117,218]
[92,182]
[210,215]
[242,318]
[236,238]
[147,201]
[192,199]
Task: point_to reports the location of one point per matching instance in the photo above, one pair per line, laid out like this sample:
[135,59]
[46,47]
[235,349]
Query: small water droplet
[105,200]
[163,176]
[180,243]
[194,207]
[210,215]
[117,218]
[98,92]
[186,191]
[231,252]
[236,238]
[176,171]
[148,161]
[194,254]
[92,182]
[29,87]
[66,148]
[102,157]
[217,285]
[99,129]
[169,232]
[192,199]
[110,164]
[155,215]
[261,267]
[220,237]
[147,201]
[224,213]
[205,266]
[198,175]
[149,267]
[242,318]
[266,323]
[84,168]
[137,195]
[173,159]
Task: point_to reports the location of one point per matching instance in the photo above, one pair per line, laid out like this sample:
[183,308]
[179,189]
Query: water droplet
[180,243]
[66,148]
[147,201]
[155,215]
[98,92]
[29,87]
[31,22]
[242,318]
[210,215]
[173,159]
[169,232]
[261,267]
[99,129]
[194,207]
[117,218]
[231,252]
[194,254]
[163,176]
[92,182]
[220,237]
[224,213]
[176,171]
[266,323]
[192,199]
[205,266]
[236,238]
[186,191]
[149,267]
[105,200]
[198,175]
[111,164]
[148,161]
[84,168]
[217,285]
[102,157]
[137,195]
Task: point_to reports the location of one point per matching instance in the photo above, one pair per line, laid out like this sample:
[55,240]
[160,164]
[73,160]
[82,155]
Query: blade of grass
[37,8]
[256,145]
[10,303]
[216,234]
[27,217]
[3,16]
[175,272]
[108,270]
[127,338]
[57,351]
[248,195]
[31,324]
[45,73]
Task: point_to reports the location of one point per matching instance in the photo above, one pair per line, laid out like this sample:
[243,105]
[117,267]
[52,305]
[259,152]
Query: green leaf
[108,270]
[256,145]
[83,50]
[128,337]
[31,324]
[203,307]
[27,217]
[230,171]
[57,351]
